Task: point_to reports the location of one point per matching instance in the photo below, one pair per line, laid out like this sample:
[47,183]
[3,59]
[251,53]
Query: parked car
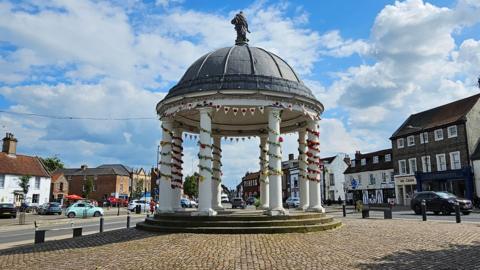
[238,203]
[144,205]
[81,209]
[8,210]
[185,203]
[225,198]
[50,208]
[292,202]
[250,201]
[193,203]
[440,201]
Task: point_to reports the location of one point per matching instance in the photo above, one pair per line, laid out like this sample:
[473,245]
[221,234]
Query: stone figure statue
[241,26]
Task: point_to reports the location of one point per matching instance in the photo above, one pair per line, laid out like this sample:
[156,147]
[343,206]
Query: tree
[137,193]
[52,163]
[190,186]
[88,187]
[24,183]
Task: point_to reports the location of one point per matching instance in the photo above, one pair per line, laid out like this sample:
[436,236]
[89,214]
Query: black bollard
[118,209]
[128,221]
[77,232]
[39,236]
[424,210]
[344,210]
[101,224]
[457,212]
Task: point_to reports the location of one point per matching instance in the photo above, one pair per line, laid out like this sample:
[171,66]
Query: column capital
[274,109]
[205,109]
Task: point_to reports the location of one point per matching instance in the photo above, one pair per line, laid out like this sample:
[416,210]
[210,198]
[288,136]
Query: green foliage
[88,186]
[190,186]
[257,203]
[138,191]
[24,183]
[52,163]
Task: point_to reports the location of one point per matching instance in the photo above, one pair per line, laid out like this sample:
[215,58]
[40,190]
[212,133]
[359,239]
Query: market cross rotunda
[239,91]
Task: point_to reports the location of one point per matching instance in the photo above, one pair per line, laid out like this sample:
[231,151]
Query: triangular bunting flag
[252,111]
[244,111]
[261,109]
[226,109]
[236,139]
[218,107]
[235,111]
[290,106]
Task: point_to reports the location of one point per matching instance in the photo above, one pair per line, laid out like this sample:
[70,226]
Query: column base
[317,208]
[277,212]
[303,208]
[209,212]
[164,211]
[263,207]
[218,208]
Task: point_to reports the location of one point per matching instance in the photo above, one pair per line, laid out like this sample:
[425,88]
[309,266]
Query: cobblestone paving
[359,244]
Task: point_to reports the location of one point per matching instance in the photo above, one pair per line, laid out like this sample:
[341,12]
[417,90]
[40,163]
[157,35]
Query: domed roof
[240,67]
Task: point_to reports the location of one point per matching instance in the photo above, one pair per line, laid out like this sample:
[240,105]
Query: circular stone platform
[239,222]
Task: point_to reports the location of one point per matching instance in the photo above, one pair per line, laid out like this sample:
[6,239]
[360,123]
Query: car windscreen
[445,195]
[6,205]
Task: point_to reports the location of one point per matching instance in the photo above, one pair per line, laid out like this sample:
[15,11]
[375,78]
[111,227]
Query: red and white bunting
[252,111]
[226,109]
[290,106]
[235,111]
[261,109]
[218,107]
[244,111]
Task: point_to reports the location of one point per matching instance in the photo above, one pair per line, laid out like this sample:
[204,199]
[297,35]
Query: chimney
[83,167]
[357,155]
[291,156]
[9,144]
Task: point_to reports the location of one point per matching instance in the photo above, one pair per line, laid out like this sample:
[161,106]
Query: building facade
[59,187]
[432,150]
[290,184]
[369,178]
[250,185]
[333,178]
[13,166]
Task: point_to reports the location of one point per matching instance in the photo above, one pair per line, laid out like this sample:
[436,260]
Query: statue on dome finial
[241,26]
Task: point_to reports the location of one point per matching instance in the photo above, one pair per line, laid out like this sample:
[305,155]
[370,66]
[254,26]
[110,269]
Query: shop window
[438,134]
[452,131]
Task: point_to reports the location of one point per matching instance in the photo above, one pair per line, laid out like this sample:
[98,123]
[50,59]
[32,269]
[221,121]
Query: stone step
[240,230]
[236,223]
[236,217]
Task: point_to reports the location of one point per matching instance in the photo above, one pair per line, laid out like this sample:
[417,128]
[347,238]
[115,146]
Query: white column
[275,163]
[397,199]
[264,186]
[165,183]
[302,166]
[313,144]
[217,174]
[177,186]
[205,164]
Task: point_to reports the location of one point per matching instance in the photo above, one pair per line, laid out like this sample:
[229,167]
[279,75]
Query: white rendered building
[333,178]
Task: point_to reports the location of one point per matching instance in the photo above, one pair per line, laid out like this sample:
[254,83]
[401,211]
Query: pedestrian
[152,206]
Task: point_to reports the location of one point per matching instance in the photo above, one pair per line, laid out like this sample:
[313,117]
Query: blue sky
[371,62]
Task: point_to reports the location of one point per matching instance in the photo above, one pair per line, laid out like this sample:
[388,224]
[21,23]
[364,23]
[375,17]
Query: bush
[257,203]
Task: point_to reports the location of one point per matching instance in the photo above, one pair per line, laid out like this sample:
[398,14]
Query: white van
[225,198]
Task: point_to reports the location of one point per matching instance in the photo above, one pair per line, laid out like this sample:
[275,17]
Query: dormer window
[364,161]
[375,159]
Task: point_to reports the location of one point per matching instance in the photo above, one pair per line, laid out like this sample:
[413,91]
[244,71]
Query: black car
[238,203]
[50,208]
[8,210]
[440,202]
[250,201]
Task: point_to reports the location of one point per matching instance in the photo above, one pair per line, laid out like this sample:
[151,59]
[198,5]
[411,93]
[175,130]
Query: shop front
[405,187]
[458,182]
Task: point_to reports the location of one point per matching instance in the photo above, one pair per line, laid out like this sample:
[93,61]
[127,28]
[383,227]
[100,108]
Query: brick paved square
[359,244]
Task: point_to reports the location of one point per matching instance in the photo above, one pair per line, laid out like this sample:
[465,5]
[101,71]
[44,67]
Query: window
[332,179]
[69,178]
[400,143]
[392,177]
[412,164]
[411,140]
[375,159]
[60,186]
[438,134]
[388,158]
[364,161]
[441,162]
[2,181]
[83,188]
[81,205]
[426,164]
[121,188]
[423,137]
[384,177]
[402,167]
[359,179]
[372,179]
[353,163]
[37,182]
[452,131]
[35,198]
[455,160]
[94,187]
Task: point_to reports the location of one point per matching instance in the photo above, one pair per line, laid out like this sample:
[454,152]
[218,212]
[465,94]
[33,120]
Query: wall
[104,184]
[476,172]
[366,179]
[337,167]
[473,137]
[11,185]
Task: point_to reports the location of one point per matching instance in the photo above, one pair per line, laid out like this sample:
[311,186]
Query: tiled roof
[328,159]
[439,116]
[120,169]
[93,171]
[370,166]
[22,165]
[251,176]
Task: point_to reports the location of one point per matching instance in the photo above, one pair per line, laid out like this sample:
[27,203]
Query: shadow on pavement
[453,257]
[91,240]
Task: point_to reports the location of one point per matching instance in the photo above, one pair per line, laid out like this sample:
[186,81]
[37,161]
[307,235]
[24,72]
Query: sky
[371,63]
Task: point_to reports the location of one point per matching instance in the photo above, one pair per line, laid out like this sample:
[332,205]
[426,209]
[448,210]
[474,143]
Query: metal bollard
[77,232]
[101,224]
[457,212]
[128,221]
[118,209]
[39,236]
[344,210]
[424,210]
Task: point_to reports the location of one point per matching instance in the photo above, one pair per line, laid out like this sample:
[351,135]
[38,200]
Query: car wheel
[417,209]
[445,211]
[96,214]
[466,213]
[71,215]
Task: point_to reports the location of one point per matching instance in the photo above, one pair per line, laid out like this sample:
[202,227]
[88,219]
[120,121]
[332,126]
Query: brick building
[59,186]
[250,185]
[432,150]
